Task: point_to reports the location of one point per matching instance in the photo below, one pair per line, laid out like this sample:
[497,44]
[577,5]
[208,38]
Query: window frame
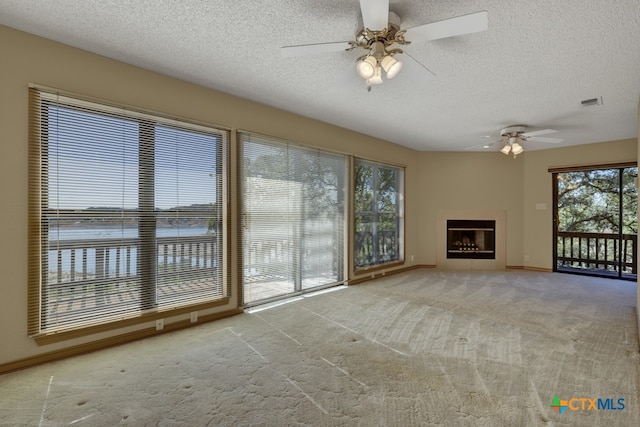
[38,244]
[292,149]
[400,217]
[621,263]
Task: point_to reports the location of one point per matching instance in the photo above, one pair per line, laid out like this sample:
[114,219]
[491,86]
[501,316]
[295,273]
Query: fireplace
[471,239]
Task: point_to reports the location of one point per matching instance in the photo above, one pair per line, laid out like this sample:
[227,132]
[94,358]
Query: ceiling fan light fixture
[366,67]
[516,148]
[506,149]
[377,77]
[391,66]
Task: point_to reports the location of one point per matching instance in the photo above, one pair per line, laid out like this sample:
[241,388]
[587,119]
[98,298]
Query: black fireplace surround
[471,239]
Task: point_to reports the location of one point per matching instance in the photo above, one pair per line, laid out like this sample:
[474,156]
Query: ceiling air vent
[593,102]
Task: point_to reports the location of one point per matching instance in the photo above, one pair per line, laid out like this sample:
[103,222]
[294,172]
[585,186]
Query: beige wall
[538,224]
[29,59]
[470,181]
[490,181]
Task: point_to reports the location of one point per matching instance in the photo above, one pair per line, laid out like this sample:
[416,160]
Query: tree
[376,202]
[589,201]
[321,178]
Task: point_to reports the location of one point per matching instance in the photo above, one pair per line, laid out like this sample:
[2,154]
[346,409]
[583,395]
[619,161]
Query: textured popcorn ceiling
[533,66]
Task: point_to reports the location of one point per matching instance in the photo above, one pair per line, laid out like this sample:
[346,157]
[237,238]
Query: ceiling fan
[382,33]
[514,136]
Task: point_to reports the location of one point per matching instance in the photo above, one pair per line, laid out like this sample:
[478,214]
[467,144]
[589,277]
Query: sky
[93,161]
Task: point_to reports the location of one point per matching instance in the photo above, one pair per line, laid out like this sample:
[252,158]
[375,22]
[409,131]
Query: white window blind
[129,215]
[379,214]
[293,218]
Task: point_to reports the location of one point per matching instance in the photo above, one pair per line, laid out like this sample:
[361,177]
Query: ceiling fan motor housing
[513,130]
[367,36]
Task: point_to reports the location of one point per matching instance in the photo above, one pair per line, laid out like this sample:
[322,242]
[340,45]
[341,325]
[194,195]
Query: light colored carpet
[427,347]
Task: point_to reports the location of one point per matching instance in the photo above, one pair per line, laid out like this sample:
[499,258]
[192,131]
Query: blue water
[120,233]
[79,234]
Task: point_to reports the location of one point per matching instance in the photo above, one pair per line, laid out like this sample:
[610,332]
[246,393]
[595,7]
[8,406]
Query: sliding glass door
[596,222]
[293,218]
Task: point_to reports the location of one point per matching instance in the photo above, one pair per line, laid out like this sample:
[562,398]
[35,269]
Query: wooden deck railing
[98,259]
[597,251]
[88,272]
[370,249]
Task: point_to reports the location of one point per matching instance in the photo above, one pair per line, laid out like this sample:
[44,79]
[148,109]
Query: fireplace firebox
[471,239]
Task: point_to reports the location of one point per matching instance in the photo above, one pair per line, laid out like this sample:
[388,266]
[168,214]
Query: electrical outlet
[194,316]
[159,324]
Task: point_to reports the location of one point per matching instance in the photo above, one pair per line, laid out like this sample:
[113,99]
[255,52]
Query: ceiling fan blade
[375,14]
[313,49]
[466,24]
[539,132]
[413,67]
[485,146]
[539,139]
